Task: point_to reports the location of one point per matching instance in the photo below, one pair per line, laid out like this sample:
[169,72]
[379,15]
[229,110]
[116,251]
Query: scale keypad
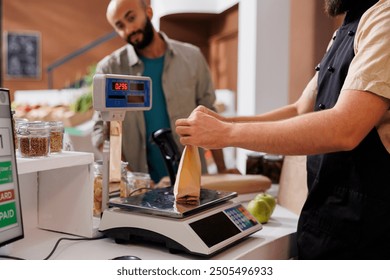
[241,217]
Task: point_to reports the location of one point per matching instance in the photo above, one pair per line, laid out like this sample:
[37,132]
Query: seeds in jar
[34,146]
[56,136]
[56,141]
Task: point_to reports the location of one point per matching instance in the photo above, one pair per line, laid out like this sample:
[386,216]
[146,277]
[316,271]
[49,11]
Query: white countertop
[70,171]
[272,242]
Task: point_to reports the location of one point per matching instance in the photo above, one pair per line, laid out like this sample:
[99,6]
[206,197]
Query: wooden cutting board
[236,183]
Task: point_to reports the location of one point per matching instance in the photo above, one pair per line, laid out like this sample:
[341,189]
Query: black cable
[10,257]
[56,245]
[71,239]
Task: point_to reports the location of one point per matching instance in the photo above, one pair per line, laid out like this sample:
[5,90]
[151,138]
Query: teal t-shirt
[156,118]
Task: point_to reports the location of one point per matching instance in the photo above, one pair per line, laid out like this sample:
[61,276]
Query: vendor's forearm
[279,114]
[338,129]
[281,137]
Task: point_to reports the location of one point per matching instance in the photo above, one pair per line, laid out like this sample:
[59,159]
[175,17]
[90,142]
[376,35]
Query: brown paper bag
[187,184]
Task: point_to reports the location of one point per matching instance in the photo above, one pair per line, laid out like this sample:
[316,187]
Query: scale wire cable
[72,239]
[56,245]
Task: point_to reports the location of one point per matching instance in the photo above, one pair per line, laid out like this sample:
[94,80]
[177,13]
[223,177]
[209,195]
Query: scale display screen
[119,86]
[123,86]
[223,225]
[125,93]
[137,86]
[136,99]
[114,95]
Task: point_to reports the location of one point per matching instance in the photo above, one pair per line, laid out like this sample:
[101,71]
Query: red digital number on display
[120,86]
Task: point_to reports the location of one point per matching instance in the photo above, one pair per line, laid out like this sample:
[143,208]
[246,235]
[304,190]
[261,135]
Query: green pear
[260,210]
[267,198]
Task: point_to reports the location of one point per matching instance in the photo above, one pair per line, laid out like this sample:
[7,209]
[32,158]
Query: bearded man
[181,81]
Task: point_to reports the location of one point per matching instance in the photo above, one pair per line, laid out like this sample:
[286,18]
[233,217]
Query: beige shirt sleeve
[370,68]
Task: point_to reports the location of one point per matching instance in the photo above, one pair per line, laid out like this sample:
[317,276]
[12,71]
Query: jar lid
[98,164]
[273,157]
[33,127]
[256,155]
[37,125]
[20,120]
[56,123]
[138,175]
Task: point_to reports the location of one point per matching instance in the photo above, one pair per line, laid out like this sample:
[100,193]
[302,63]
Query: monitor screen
[11,225]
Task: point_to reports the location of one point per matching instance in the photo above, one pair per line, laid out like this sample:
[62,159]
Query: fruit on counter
[268,198]
[262,207]
[260,210]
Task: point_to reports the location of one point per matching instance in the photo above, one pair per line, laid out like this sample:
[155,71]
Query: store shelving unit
[57,193]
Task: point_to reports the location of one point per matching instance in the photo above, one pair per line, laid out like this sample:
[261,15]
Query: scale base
[203,234]
[143,236]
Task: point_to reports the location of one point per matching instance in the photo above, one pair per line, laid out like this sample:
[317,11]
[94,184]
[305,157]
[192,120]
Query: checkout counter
[57,195]
[57,202]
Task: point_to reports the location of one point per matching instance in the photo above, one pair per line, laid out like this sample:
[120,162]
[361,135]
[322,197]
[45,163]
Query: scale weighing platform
[203,229]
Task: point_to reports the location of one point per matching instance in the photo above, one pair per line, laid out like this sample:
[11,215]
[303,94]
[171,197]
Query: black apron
[347,212]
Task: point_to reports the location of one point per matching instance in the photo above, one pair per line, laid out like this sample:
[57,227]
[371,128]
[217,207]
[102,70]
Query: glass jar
[273,167]
[14,127]
[137,183]
[56,136]
[114,188]
[17,123]
[97,187]
[254,163]
[34,139]
[123,183]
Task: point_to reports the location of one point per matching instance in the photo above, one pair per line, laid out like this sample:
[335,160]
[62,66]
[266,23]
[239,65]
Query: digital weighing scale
[204,229]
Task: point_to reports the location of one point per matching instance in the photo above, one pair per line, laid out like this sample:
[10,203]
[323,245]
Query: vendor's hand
[203,128]
[210,112]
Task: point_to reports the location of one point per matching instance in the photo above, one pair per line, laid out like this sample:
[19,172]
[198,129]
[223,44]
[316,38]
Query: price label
[5,172]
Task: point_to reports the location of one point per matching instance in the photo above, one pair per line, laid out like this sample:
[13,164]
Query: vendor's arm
[339,128]
[361,106]
[303,105]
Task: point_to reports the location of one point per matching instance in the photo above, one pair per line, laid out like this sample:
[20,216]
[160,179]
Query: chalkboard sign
[23,55]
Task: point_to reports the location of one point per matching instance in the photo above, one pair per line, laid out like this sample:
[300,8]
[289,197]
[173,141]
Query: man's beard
[147,36]
[338,7]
